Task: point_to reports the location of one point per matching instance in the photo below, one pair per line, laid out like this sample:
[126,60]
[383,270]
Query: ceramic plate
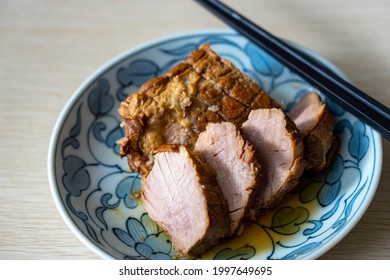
[98,196]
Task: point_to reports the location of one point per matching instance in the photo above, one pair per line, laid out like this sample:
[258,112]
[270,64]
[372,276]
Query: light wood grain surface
[47,48]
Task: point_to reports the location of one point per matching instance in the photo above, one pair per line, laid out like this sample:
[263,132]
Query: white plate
[97,195]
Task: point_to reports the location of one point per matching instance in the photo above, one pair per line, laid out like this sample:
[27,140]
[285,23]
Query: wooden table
[47,48]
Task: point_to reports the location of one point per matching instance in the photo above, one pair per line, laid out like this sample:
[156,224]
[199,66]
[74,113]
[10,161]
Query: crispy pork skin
[279,148]
[315,123]
[237,169]
[175,107]
[180,193]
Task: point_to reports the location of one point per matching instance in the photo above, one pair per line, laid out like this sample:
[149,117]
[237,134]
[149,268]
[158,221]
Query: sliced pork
[279,148]
[315,123]
[214,149]
[237,169]
[180,193]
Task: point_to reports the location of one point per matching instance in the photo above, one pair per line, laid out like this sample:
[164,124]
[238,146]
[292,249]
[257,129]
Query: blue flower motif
[302,250]
[146,238]
[242,253]
[324,187]
[359,142]
[262,62]
[328,193]
[182,50]
[110,140]
[137,73]
[287,220]
[71,140]
[100,101]
[76,178]
[332,184]
[129,189]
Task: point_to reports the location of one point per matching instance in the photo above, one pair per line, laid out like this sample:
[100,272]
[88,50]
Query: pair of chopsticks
[340,91]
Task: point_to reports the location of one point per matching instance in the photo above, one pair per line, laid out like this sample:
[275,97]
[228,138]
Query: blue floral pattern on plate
[100,198]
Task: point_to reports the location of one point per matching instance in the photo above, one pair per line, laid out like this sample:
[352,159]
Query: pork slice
[315,123]
[238,171]
[180,193]
[280,151]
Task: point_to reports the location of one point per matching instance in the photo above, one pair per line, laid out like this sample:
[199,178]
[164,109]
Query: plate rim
[72,100]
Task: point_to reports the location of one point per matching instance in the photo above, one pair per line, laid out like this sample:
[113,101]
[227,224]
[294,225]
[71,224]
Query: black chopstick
[340,91]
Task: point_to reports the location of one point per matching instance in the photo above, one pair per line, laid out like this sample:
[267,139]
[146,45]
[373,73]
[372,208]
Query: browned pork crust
[176,107]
